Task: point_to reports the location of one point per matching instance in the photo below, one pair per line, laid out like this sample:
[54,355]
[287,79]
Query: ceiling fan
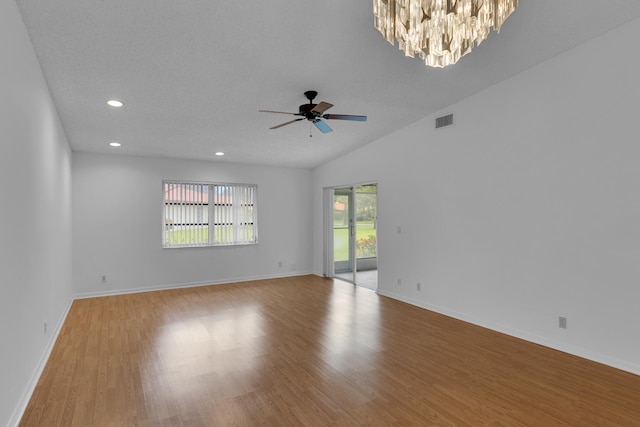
[315,113]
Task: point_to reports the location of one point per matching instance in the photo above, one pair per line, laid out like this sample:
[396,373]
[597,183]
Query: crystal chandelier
[439,31]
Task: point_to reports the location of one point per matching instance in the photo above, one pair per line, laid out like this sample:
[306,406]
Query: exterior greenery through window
[204,214]
[365,215]
[366,202]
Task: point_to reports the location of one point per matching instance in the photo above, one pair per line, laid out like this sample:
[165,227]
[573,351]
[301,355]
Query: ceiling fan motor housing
[305,109]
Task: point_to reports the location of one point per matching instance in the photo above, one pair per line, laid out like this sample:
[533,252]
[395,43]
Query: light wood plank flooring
[309,351]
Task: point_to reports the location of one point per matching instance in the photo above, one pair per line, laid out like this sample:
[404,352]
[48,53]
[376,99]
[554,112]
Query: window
[197,214]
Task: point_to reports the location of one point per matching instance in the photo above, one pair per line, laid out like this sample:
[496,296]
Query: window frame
[212,220]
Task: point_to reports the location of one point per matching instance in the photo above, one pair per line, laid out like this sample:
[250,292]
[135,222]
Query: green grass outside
[196,236]
[341,239]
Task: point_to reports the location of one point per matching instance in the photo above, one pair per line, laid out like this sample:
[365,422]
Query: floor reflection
[194,358]
[351,329]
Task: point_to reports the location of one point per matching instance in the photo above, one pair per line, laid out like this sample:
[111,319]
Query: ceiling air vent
[444,121]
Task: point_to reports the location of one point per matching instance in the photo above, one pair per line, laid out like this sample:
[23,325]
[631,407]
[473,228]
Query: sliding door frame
[328,231]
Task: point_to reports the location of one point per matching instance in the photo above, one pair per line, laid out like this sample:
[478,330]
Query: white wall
[117,225]
[527,209]
[35,213]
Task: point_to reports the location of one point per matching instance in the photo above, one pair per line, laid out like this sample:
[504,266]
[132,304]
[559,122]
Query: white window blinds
[197,214]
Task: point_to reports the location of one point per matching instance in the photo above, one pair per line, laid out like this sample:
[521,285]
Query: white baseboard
[31,386]
[613,362]
[187,285]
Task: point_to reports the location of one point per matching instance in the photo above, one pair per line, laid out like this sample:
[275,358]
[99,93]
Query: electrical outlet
[279,263]
[562,322]
[399,230]
[399,282]
[104,278]
[418,286]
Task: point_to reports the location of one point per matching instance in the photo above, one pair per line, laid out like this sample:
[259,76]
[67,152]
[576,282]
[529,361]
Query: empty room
[282,213]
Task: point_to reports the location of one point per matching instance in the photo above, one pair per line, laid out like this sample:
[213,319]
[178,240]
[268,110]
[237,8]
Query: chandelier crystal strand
[439,31]
[384,13]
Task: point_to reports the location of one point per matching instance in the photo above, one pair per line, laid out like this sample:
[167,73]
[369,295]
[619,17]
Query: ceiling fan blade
[345,117]
[324,128]
[321,107]
[277,112]
[286,123]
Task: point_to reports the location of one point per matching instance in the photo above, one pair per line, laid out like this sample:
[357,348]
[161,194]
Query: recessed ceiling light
[219,153]
[115,103]
[115,144]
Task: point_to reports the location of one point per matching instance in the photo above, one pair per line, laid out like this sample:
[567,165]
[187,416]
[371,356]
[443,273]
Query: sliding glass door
[354,234]
[344,257]
[366,235]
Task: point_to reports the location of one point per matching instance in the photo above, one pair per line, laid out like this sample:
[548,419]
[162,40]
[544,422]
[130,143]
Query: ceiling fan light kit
[314,113]
[439,31]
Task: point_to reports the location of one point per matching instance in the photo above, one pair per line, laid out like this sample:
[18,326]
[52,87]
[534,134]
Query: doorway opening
[354,234]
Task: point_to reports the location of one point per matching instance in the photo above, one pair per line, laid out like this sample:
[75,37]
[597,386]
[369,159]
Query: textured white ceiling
[193,74]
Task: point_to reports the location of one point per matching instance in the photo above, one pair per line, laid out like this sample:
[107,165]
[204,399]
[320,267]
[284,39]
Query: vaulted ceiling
[193,74]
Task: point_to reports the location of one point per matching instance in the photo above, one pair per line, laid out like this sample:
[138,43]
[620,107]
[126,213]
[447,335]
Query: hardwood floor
[309,351]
